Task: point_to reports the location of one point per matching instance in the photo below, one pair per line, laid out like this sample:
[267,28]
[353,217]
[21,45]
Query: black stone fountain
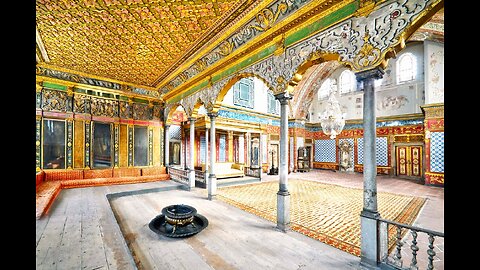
[177,221]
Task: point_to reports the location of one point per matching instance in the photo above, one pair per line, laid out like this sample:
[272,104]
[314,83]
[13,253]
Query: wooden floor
[81,231]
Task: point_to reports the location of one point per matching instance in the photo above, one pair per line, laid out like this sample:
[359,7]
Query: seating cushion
[124,172]
[154,171]
[97,173]
[39,178]
[68,174]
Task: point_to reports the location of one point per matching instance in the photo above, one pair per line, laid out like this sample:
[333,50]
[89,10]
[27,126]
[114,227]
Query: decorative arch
[221,88]
[361,43]
[169,111]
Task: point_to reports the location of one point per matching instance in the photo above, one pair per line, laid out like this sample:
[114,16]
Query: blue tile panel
[352,151]
[437,152]
[175,132]
[325,151]
[247,117]
[222,148]
[381,151]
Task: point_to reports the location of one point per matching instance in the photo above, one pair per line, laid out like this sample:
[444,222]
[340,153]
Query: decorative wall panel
[325,151]
[130,145]
[125,110]
[116,145]
[78,144]
[81,104]
[54,100]
[381,151]
[104,107]
[38,144]
[69,144]
[88,142]
[141,111]
[437,152]
[123,158]
[150,147]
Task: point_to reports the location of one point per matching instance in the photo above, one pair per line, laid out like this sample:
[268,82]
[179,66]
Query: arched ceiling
[133,41]
[431,30]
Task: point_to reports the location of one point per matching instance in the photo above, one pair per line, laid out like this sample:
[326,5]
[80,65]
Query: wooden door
[409,161]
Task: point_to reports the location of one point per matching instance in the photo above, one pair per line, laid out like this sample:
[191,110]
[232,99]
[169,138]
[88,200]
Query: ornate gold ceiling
[133,41]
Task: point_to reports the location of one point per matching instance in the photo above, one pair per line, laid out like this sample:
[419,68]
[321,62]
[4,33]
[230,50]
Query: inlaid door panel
[409,161]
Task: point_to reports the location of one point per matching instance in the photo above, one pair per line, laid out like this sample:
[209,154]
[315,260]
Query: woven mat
[328,213]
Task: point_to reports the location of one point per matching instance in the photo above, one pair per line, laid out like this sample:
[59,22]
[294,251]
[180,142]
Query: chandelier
[332,118]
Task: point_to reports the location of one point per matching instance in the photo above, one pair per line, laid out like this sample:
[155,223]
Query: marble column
[212,179]
[230,146]
[167,145]
[368,217]
[206,156]
[283,196]
[248,138]
[191,169]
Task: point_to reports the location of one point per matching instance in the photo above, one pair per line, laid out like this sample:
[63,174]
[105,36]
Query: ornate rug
[328,213]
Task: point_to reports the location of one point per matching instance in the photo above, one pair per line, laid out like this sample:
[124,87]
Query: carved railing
[178,175]
[393,256]
[200,179]
[253,171]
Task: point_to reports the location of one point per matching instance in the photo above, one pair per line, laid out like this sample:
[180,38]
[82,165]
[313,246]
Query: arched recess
[196,107]
[171,110]
[306,89]
[224,90]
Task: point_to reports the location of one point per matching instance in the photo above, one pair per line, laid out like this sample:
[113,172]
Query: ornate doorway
[409,161]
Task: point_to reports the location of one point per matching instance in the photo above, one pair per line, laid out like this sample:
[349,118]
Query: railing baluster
[430,251]
[398,255]
[414,247]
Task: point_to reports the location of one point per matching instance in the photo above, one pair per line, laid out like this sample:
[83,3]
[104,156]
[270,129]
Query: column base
[283,211]
[212,186]
[370,241]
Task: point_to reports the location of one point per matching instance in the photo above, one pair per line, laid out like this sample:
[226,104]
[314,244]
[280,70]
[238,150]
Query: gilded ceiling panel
[133,41]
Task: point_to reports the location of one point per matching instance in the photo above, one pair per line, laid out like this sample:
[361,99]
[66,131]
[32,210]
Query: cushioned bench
[227,169]
[50,182]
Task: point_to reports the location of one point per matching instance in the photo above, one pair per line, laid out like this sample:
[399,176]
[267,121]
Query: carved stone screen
[140,149]
[102,145]
[53,144]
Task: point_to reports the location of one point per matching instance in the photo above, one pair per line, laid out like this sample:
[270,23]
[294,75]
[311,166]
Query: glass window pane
[140,142]
[102,145]
[53,144]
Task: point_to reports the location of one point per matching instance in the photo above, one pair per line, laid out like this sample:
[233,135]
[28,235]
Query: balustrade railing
[253,171]
[200,179]
[393,255]
[178,175]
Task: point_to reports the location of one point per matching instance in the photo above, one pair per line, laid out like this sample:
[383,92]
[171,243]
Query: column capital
[166,125]
[191,119]
[212,114]
[374,73]
[283,97]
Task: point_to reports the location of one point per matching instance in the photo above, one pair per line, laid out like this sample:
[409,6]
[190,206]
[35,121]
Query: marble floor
[107,228]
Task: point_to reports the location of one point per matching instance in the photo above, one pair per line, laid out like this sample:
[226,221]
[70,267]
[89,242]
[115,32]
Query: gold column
[123,146]
[78,144]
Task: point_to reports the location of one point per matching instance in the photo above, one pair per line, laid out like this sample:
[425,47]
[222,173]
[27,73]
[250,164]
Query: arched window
[273,104]
[325,89]
[348,82]
[406,68]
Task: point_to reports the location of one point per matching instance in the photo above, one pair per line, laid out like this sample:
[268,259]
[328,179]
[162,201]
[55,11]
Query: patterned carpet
[328,213]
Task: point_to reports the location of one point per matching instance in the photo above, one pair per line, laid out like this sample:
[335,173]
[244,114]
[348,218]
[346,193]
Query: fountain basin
[178,220]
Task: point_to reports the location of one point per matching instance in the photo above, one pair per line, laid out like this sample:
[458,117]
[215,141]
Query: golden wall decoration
[78,144]
[123,157]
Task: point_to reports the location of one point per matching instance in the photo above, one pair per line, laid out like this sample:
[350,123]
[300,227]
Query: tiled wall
[325,151]
[381,152]
[436,152]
